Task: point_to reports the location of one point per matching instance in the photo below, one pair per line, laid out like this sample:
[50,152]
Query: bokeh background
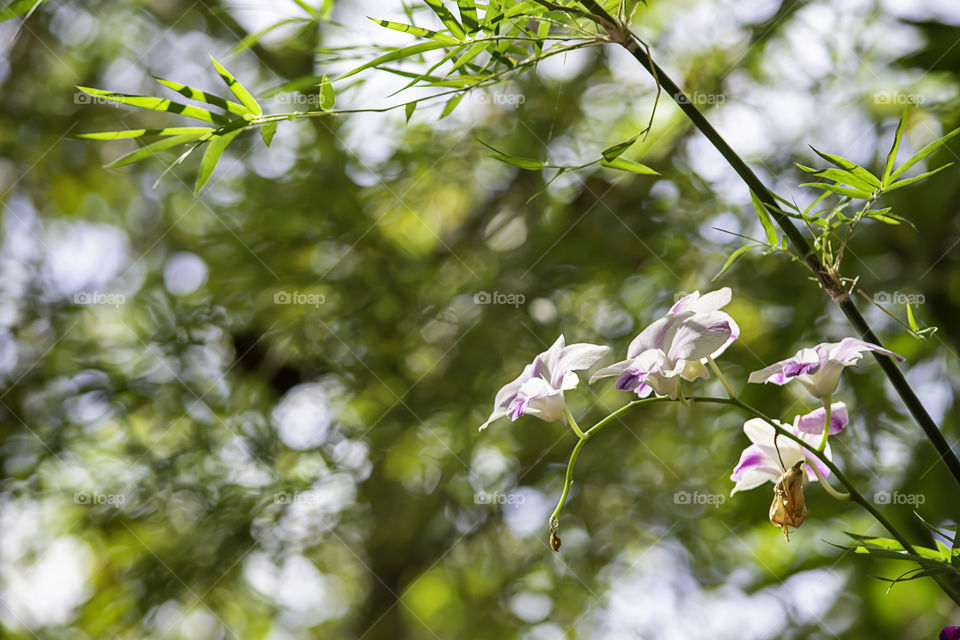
[254,413]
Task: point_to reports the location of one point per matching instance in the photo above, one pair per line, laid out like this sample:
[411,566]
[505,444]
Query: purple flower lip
[792,369]
[631,379]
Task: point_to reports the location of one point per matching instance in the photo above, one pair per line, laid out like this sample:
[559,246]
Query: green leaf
[765,221]
[524,163]
[396,54]
[471,53]
[417,31]
[897,137]
[612,153]
[922,176]
[409,109]
[851,167]
[252,39]
[137,133]
[211,156]
[839,176]
[468,15]
[326,94]
[843,191]
[267,131]
[150,150]
[911,319]
[629,165]
[493,15]
[17,8]
[447,18]
[884,215]
[203,96]
[244,96]
[923,153]
[157,104]
[451,105]
[733,258]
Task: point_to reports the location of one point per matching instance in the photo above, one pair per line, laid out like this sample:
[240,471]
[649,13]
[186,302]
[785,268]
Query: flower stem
[839,495]
[723,380]
[573,424]
[826,424]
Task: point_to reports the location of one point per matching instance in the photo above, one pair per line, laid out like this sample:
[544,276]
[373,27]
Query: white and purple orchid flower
[766,460]
[676,346]
[538,391]
[818,369]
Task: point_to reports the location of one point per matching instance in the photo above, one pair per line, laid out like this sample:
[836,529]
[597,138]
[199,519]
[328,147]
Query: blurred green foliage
[278,440]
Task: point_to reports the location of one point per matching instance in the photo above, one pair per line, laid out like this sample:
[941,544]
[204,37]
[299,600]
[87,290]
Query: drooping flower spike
[538,391]
[818,369]
[676,346]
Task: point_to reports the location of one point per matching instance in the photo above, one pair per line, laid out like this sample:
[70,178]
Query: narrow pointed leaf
[417,31]
[150,150]
[468,15]
[765,220]
[409,109]
[629,165]
[451,105]
[923,153]
[912,320]
[18,8]
[267,131]
[203,96]
[524,163]
[244,96]
[922,176]
[843,191]
[732,259]
[211,156]
[326,94]
[897,137]
[840,176]
[397,54]
[157,104]
[471,53]
[447,18]
[252,39]
[137,133]
[613,152]
[850,166]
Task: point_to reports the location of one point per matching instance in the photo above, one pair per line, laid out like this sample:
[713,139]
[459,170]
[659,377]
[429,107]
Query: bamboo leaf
[417,31]
[471,53]
[150,150]
[451,105]
[203,96]
[922,176]
[252,39]
[18,8]
[409,109]
[137,133]
[326,94]
[923,153]
[524,163]
[765,221]
[211,156]
[629,165]
[244,96]
[911,319]
[613,152]
[157,104]
[396,54]
[843,191]
[468,15]
[267,131]
[732,259]
[447,18]
[892,155]
[840,176]
[850,167]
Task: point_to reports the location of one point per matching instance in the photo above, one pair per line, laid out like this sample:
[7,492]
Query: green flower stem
[723,380]
[826,424]
[573,424]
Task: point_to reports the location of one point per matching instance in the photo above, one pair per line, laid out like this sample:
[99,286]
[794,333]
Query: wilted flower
[768,458]
[788,508]
[676,346]
[818,369]
[539,389]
